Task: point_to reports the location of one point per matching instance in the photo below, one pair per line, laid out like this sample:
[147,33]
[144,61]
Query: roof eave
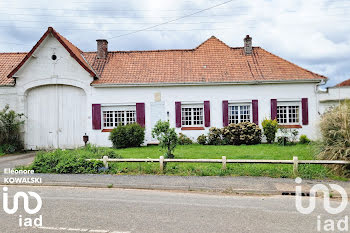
[206,83]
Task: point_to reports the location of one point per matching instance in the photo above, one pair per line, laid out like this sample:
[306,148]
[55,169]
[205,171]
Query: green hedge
[125,136]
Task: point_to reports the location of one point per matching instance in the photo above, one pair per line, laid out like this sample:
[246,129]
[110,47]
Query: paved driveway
[11,161]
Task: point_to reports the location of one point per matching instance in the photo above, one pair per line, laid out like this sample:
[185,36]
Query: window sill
[192,128]
[106,130]
[290,126]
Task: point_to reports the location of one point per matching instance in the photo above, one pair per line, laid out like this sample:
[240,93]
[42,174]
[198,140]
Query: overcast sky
[314,34]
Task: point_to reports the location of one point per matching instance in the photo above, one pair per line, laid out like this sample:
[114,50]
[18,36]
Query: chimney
[102,48]
[248,49]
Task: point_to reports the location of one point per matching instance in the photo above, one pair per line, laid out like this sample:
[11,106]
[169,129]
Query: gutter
[206,83]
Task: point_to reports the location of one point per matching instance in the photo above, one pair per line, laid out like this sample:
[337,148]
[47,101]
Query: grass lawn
[73,161]
[195,151]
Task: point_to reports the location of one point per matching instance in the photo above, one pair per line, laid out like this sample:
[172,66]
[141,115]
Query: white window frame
[115,109]
[192,106]
[239,114]
[289,104]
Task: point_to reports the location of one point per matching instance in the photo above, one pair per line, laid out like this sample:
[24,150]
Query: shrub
[202,139]
[166,136]
[304,139]
[184,140]
[215,136]
[270,129]
[124,136]
[242,133]
[67,161]
[10,136]
[335,131]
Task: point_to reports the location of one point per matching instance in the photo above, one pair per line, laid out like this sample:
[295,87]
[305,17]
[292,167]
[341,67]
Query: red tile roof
[344,83]
[8,61]
[211,62]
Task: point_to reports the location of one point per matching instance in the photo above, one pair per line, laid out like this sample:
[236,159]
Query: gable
[42,66]
[74,52]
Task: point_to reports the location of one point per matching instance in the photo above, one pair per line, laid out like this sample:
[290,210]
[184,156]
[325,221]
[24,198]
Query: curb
[156,187]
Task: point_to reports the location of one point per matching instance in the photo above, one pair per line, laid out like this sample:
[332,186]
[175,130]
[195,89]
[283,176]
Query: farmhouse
[66,93]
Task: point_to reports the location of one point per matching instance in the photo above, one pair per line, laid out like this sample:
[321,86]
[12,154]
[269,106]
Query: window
[288,113]
[239,113]
[192,115]
[115,116]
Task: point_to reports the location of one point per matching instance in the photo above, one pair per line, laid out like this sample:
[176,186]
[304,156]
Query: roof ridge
[158,50]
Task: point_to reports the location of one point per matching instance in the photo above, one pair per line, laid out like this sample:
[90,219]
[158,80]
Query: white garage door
[56,117]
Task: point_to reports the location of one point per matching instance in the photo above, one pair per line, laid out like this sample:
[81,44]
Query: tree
[166,136]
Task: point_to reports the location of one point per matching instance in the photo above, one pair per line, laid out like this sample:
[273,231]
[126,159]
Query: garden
[235,141]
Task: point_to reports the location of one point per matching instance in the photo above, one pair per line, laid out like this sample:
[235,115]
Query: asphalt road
[11,161]
[67,209]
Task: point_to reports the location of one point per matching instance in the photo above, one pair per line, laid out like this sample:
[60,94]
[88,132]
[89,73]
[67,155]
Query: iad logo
[27,221]
[329,224]
[25,202]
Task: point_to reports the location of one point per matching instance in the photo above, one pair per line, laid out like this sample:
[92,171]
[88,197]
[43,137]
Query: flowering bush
[184,140]
[242,133]
[215,136]
[202,139]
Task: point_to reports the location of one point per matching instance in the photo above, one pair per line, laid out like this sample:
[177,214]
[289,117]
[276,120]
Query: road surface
[67,209]
[11,161]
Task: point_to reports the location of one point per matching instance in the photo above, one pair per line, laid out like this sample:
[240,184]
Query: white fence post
[161,164]
[105,161]
[223,162]
[295,165]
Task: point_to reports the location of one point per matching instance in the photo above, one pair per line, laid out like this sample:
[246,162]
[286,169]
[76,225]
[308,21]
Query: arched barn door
[56,117]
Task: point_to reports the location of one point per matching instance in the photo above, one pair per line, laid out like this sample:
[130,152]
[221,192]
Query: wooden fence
[295,162]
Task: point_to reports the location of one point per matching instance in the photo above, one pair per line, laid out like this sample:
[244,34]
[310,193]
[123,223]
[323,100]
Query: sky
[314,34]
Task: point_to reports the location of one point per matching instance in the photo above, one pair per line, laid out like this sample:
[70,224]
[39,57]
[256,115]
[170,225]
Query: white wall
[332,96]
[8,95]
[215,94]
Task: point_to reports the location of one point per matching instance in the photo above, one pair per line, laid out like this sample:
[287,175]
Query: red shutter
[225,112]
[140,114]
[178,114]
[207,113]
[273,109]
[255,107]
[305,109]
[96,116]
